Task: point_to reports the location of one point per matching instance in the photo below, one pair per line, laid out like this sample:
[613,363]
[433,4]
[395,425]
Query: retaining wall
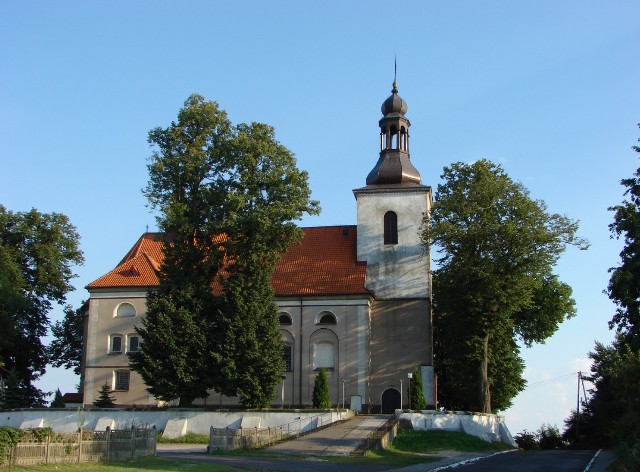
[197,421]
[484,426]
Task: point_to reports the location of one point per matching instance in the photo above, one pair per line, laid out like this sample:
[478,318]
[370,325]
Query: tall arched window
[323,356]
[390,228]
[287,357]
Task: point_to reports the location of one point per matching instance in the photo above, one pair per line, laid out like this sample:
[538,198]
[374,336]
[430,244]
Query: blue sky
[549,89]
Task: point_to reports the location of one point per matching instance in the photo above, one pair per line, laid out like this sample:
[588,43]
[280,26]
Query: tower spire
[394,165]
[395,74]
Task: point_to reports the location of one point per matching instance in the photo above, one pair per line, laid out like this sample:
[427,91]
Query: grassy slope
[435,441]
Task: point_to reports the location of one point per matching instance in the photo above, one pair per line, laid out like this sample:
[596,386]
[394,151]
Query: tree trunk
[484,393]
[185,402]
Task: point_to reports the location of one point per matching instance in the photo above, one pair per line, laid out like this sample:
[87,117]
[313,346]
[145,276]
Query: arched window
[323,356]
[125,309]
[390,228]
[326,318]
[285,319]
[288,345]
[287,357]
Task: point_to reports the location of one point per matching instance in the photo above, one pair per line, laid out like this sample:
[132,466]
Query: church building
[354,300]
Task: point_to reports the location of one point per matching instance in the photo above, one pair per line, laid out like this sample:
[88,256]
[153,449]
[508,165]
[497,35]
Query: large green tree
[187,172]
[267,194]
[610,417]
[494,281]
[227,198]
[37,255]
[624,284]
[65,349]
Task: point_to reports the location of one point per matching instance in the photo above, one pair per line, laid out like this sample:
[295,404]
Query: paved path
[337,440]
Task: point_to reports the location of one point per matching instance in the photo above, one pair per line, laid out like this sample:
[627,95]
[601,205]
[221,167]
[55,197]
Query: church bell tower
[391,208]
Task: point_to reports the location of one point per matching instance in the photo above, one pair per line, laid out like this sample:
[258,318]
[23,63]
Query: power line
[554,379]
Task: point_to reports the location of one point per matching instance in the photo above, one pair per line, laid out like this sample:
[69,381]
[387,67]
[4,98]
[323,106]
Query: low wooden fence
[378,439]
[224,439]
[86,446]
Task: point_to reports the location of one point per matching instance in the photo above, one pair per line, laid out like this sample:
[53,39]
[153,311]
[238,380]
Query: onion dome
[394,104]
[394,165]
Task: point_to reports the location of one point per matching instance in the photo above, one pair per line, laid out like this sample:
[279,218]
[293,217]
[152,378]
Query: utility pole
[578,408]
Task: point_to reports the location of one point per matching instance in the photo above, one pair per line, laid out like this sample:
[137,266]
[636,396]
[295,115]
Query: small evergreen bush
[57,400]
[105,400]
[321,397]
[415,391]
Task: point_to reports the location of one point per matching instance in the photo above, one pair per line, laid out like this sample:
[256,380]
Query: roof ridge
[155,264]
[133,252]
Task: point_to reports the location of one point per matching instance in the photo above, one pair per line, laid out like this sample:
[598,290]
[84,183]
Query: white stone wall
[484,426]
[199,422]
[394,270]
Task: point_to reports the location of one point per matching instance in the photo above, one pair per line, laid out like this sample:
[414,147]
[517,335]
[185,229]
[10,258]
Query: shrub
[416,394]
[321,397]
[527,440]
[105,400]
[8,438]
[549,437]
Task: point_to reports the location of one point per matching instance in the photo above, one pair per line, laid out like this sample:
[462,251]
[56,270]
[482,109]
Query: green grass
[189,438]
[138,465]
[383,457]
[409,448]
[410,441]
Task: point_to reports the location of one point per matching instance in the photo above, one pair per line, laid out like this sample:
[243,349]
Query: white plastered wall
[394,270]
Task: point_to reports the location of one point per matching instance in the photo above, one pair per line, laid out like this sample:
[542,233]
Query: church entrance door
[390,401]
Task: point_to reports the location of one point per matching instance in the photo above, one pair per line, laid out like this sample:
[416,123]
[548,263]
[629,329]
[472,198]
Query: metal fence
[378,439]
[224,439]
[85,446]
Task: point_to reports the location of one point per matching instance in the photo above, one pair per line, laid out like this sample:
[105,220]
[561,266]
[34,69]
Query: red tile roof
[324,263]
[72,398]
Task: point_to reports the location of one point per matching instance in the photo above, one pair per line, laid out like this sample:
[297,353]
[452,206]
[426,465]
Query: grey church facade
[354,300]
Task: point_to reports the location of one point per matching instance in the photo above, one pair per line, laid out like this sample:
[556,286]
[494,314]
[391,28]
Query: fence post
[155,440]
[80,445]
[133,441]
[108,433]
[46,450]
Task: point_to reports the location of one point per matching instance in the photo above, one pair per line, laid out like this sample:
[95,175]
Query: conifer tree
[57,400]
[105,398]
[415,391]
[321,397]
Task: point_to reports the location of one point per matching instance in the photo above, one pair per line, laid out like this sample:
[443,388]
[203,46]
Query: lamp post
[410,375]
[343,379]
[283,377]
[400,393]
